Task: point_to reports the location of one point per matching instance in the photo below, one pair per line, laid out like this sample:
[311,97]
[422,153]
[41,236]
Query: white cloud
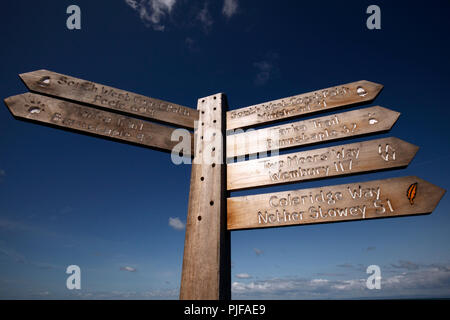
[354,284]
[205,18]
[132,3]
[152,12]
[120,295]
[318,281]
[176,223]
[243,276]
[431,280]
[258,251]
[229,8]
[129,269]
[267,68]
[408,265]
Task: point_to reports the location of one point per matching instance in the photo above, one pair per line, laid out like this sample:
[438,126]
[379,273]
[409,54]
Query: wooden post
[206,273]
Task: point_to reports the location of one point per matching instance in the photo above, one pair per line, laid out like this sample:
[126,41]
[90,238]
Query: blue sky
[115,209]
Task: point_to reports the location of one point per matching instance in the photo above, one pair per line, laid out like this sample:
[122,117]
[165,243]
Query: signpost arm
[206,273]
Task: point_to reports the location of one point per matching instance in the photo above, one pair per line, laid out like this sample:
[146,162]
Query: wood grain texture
[64,86]
[340,160]
[75,117]
[333,127]
[206,271]
[303,104]
[355,201]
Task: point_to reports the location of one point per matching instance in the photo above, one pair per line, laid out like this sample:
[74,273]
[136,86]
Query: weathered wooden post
[206,263]
[206,273]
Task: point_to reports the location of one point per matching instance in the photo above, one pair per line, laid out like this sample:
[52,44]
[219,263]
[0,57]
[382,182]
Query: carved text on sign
[354,201]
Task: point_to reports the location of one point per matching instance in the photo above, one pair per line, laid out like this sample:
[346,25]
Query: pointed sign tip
[441,191]
[10,102]
[28,78]
[414,148]
[390,111]
[374,88]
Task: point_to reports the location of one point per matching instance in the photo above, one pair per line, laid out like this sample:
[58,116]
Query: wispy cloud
[191,44]
[159,14]
[432,280]
[128,268]
[243,276]
[14,225]
[229,8]
[176,223]
[2,173]
[407,265]
[12,254]
[371,248]
[258,251]
[156,294]
[153,12]
[266,69]
[205,18]
[151,294]
[17,257]
[329,274]
[344,265]
[354,267]
[63,212]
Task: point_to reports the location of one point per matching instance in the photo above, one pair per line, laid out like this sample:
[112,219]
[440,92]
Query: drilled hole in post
[214,121]
[214,149]
[199,218]
[214,108]
[202,178]
[213,165]
[214,98]
[201,137]
[203,100]
[203,123]
[211,203]
[203,112]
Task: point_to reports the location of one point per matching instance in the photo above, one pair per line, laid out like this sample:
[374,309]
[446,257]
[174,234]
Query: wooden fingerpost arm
[206,273]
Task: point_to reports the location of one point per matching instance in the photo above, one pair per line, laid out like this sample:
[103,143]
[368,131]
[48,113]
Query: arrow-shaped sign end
[389,116]
[38,78]
[368,90]
[10,103]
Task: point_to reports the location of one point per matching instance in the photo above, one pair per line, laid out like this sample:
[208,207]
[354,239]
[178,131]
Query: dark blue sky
[67,198]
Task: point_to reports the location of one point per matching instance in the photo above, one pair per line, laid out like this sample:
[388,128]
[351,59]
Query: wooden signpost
[82,106]
[304,104]
[341,160]
[63,86]
[338,126]
[355,201]
[206,270]
[73,116]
